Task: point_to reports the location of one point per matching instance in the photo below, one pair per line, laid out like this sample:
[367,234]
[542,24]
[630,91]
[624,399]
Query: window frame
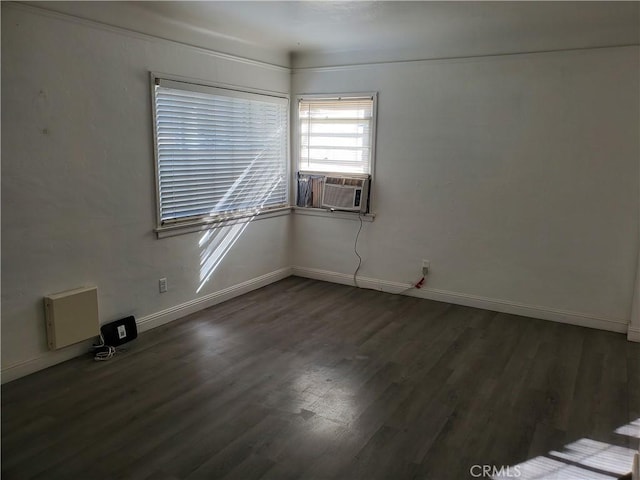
[192,224]
[296,133]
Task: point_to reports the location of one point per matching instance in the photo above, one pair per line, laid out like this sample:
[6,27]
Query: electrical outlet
[163,285]
[425,266]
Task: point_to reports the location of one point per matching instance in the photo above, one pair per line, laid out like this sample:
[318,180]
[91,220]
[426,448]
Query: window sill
[323,212]
[208,224]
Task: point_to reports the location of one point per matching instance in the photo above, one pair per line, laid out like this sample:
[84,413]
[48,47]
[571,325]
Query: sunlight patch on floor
[630,430]
[584,459]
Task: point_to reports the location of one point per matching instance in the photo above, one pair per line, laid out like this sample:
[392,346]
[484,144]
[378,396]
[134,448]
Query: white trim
[163,317]
[48,359]
[461,59]
[180,228]
[323,212]
[207,86]
[329,97]
[294,130]
[633,334]
[497,305]
[67,17]
[173,313]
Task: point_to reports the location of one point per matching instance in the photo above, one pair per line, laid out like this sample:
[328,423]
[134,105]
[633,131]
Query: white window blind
[336,134]
[219,152]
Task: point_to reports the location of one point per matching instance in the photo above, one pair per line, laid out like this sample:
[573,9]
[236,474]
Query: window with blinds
[336,134]
[220,153]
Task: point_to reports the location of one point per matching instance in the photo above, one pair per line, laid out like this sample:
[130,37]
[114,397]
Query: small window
[336,134]
[220,153]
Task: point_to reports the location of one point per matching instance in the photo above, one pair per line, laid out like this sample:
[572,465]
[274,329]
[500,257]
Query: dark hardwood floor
[306,379]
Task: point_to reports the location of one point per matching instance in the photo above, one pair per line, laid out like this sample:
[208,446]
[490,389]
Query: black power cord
[355,250]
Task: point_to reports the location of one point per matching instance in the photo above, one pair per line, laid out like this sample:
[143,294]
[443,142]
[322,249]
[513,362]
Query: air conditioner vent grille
[337,196]
[346,193]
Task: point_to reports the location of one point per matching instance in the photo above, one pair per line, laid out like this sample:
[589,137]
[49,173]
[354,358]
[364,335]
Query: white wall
[516,176]
[189,25]
[78,205]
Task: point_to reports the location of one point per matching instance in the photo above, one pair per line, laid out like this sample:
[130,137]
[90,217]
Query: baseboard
[168,315]
[27,367]
[503,306]
[148,322]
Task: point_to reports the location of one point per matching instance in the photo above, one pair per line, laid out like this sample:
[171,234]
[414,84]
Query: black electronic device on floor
[119,332]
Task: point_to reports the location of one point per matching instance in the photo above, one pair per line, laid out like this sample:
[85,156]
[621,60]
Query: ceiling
[316,33]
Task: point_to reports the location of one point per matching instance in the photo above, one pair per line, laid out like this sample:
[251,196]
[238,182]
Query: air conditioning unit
[346,193]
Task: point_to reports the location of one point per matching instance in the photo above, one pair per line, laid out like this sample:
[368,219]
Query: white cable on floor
[103,355]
